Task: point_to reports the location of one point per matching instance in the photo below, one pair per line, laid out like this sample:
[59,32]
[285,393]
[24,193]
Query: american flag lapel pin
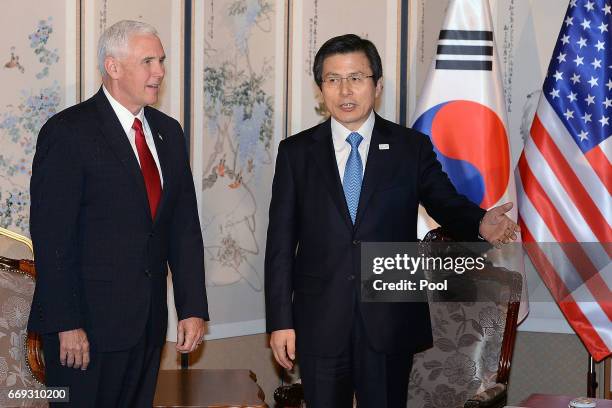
[383,146]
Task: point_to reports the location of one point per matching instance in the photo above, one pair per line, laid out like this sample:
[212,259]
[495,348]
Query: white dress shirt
[342,148]
[127,120]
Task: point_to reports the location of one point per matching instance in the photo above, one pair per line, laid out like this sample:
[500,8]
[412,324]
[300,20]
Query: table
[208,388]
[556,401]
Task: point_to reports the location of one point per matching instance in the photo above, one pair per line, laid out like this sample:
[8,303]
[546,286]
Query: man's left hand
[497,228]
[190,334]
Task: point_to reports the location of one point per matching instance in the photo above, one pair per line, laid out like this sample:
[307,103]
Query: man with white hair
[113,205]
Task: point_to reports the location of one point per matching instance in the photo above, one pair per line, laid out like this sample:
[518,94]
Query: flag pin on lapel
[383,146]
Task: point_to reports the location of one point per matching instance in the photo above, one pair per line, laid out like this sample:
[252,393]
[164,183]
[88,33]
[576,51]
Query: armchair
[21,363]
[469,365]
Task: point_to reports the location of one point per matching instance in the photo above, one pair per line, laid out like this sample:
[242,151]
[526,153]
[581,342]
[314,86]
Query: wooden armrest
[492,397]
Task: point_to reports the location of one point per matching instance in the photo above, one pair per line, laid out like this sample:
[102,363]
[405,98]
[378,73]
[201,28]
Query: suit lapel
[323,153]
[375,167]
[162,154]
[119,144]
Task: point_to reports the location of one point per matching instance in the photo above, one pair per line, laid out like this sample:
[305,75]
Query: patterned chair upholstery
[19,352]
[473,342]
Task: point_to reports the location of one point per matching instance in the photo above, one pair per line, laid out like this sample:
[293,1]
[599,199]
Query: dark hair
[345,44]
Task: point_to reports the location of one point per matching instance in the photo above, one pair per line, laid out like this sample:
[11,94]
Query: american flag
[564,180]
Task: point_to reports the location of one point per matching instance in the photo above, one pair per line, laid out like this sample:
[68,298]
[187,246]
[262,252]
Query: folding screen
[238,115]
[39,78]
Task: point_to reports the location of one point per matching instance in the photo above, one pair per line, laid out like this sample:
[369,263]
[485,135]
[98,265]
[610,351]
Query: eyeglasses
[353,80]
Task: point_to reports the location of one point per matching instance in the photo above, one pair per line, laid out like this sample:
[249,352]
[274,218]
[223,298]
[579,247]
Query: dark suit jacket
[312,267]
[101,260]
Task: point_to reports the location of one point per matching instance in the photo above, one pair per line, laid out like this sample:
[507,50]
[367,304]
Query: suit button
[351,277]
[147,273]
[356,242]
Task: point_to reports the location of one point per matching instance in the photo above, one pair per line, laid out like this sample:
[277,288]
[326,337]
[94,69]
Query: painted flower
[230,253]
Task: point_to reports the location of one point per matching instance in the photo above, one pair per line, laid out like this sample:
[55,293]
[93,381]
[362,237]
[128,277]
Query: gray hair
[114,40]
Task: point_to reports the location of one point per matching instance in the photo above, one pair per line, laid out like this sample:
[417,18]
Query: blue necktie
[353,175]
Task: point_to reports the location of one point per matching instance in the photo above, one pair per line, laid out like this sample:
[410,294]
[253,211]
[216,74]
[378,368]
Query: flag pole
[591,379]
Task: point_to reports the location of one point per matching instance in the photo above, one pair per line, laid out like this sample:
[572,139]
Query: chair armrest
[492,397]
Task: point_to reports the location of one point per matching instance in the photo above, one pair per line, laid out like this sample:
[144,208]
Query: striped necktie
[353,175]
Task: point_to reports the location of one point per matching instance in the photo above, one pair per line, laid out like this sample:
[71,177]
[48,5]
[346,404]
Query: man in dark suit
[113,204]
[355,177]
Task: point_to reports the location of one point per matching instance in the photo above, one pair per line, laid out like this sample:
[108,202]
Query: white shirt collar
[125,116]
[340,133]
